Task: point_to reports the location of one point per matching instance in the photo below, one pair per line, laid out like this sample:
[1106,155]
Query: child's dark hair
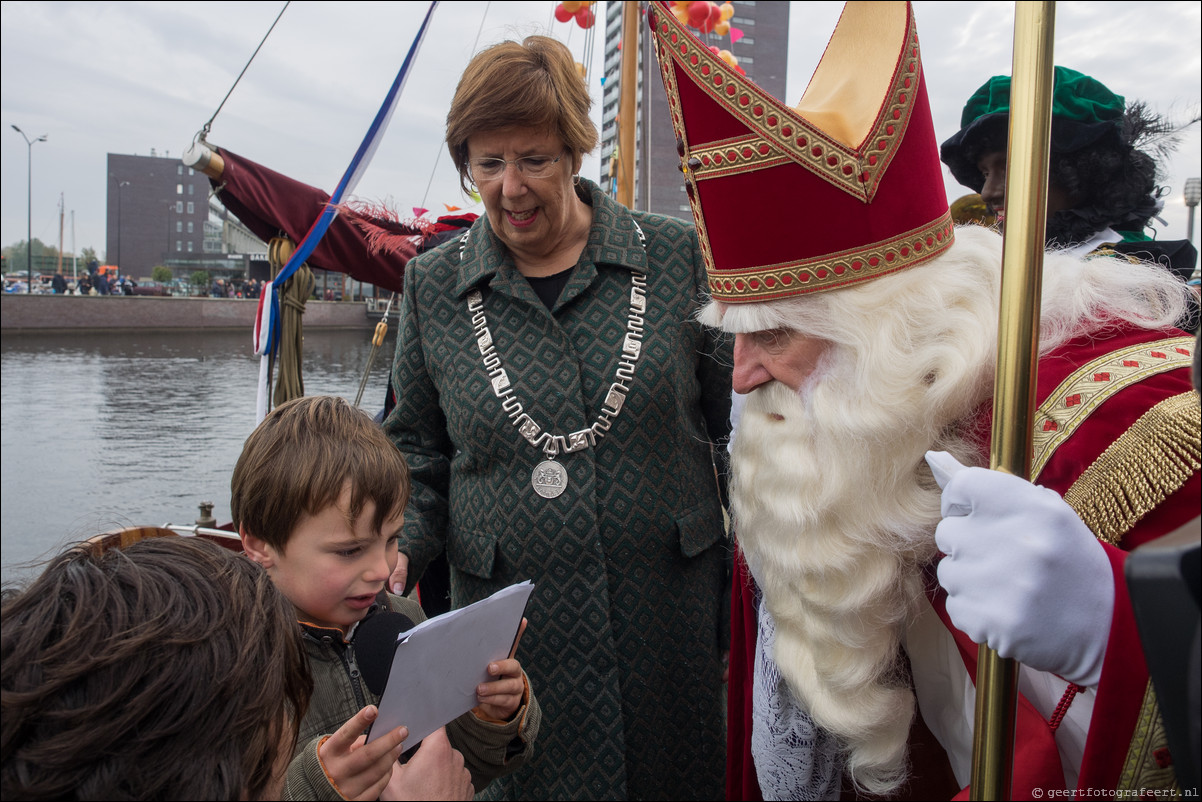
[171,668]
[301,458]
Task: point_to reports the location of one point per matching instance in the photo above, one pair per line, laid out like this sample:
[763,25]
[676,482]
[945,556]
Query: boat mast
[60,233]
[628,95]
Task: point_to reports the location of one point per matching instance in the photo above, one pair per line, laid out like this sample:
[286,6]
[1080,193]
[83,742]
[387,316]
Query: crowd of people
[749,478]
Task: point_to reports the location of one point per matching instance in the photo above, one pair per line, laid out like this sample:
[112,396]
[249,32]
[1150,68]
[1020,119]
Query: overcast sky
[132,77]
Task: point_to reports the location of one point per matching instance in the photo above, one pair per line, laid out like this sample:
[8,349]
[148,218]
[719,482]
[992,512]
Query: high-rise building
[160,213]
[762,50]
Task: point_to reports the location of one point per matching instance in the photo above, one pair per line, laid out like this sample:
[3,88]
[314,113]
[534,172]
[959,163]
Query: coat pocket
[699,528]
[472,552]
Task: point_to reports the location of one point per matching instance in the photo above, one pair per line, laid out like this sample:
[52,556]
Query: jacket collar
[321,632]
[613,239]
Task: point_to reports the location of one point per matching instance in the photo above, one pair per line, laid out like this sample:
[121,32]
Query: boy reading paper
[318,496]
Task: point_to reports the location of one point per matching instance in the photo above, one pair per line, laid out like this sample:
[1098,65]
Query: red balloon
[562,14]
[585,17]
[713,17]
[699,12]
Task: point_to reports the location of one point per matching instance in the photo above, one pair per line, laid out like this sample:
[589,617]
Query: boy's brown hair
[171,668]
[299,460]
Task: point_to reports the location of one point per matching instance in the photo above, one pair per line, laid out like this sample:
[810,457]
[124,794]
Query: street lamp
[29,143]
[1193,193]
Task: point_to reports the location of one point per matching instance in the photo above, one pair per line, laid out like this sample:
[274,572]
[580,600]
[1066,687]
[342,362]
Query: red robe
[1124,681]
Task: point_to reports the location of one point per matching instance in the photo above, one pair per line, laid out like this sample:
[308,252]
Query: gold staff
[627,102]
[1018,350]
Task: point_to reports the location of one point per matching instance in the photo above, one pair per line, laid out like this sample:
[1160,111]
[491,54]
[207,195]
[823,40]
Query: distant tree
[161,274]
[87,256]
[200,280]
[17,259]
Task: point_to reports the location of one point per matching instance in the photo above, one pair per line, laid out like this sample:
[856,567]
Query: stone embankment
[37,313]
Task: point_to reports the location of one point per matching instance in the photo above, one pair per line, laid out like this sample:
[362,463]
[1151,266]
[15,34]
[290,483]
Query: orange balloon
[727,10]
[722,28]
[571,6]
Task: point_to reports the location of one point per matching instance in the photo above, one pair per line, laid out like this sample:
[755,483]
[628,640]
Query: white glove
[1023,573]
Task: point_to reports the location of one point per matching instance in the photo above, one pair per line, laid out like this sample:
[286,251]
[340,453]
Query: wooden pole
[1018,351]
[627,103]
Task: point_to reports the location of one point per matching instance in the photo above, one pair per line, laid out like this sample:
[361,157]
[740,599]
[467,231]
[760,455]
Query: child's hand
[499,699]
[435,771]
[360,770]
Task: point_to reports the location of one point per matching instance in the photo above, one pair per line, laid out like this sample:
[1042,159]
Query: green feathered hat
[1084,112]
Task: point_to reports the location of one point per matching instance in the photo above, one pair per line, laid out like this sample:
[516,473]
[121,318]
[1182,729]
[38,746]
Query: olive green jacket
[630,564]
[489,749]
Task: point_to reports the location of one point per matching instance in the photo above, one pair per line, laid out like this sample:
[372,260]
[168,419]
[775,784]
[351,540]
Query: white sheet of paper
[439,663]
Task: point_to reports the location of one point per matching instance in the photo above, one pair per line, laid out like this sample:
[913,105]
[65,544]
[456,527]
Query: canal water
[105,429]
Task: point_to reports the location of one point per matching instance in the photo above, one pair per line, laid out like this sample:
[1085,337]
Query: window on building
[191,207]
[189,226]
[747,40]
[179,170]
[191,171]
[179,246]
[179,207]
[179,189]
[179,226]
[189,246]
[191,189]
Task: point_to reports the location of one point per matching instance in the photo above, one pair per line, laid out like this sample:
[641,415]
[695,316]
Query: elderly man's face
[775,355]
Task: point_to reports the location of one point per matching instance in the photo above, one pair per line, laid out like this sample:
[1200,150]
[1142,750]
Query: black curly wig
[1111,182]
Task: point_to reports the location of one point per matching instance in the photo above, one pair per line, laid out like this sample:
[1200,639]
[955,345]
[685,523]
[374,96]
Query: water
[104,430]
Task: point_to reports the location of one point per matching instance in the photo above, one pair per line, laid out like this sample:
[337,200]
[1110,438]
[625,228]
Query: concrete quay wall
[33,313]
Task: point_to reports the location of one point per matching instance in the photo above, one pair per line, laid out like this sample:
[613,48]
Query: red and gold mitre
[843,188]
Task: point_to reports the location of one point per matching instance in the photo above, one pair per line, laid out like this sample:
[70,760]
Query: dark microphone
[375,642]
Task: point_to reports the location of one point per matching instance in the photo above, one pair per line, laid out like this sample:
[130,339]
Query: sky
[141,77]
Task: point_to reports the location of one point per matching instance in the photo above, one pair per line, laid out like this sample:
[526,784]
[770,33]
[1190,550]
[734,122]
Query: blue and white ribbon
[267,323]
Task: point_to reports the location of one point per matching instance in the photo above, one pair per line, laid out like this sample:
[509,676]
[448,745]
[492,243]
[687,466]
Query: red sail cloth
[368,248]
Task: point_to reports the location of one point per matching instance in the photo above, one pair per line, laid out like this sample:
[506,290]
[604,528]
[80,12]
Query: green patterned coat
[627,620]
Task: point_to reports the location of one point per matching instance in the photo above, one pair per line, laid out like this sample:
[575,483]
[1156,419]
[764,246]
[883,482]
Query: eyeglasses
[530,166]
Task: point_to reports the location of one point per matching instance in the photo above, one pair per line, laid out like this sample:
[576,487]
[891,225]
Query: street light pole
[1193,194]
[29,143]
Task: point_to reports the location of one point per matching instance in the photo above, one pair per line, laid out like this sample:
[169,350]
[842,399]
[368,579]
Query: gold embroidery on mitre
[742,155]
[1149,767]
[1089,386]
[828,271]
[1139,470]
[855,170]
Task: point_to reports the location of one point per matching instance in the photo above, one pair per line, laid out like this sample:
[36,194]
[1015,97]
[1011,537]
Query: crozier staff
[558,405]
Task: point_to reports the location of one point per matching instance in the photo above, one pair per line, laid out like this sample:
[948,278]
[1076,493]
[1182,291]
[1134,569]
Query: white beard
[836,518]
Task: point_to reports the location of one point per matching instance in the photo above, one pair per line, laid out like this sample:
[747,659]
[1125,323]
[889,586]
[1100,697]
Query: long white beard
[836,518]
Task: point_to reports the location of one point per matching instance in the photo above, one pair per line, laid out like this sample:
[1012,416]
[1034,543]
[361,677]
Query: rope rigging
[208,126]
